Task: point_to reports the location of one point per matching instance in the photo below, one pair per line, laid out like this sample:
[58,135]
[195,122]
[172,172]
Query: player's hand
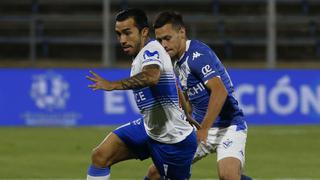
[202,135]
[99,82]
[193,122]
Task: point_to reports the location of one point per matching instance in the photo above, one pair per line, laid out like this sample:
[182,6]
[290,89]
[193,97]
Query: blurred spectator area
[70,32]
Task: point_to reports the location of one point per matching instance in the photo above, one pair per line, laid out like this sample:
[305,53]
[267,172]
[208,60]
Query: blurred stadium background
[50,121]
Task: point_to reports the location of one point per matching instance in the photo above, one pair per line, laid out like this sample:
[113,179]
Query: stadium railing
[231,33]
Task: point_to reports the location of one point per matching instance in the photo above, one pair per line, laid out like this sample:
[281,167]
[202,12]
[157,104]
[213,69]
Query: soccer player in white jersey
[209,90]
[163,132]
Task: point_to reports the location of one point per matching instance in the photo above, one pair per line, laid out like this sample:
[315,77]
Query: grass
[43,152]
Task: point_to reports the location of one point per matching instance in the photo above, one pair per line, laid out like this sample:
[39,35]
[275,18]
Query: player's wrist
[116,85]
[205,127]
[206,124]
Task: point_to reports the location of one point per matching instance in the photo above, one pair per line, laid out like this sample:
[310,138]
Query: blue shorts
[173,161]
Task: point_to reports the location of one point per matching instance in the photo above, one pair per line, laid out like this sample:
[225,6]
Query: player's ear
[182,32]
[145,32]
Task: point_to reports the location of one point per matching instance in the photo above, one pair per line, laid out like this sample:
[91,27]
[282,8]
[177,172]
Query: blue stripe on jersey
[160,103]
[167,75]
[158,100]
[164,93]
[151,60]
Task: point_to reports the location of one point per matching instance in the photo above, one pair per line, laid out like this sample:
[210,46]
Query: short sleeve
[202,65]
[152,55]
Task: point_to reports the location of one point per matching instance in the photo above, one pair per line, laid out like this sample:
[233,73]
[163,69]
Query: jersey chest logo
[195,90]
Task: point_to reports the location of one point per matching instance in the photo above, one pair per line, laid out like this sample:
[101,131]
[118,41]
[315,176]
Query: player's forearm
[215,105]
[139,80]
[149,76]
[187,108]
[185,104]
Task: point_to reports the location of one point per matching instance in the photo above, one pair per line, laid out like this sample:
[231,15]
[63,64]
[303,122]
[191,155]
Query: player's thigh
[126,142]
[168,170]
[134,136]
[232,144]
[229,168]
[173,161]
[231,153]
[112,150]
[174,171]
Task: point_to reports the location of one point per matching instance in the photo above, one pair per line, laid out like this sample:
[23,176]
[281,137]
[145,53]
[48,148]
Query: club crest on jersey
[151,55]
[195,55]
[227,143]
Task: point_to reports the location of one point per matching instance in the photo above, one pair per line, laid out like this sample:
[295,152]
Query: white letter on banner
[309,99]
[132,102]
[283,88]
[261,99]
[114,102]
[240,91]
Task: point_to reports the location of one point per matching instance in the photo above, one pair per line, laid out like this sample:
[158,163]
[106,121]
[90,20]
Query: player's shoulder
[199,50]
[153,45]
[196,45]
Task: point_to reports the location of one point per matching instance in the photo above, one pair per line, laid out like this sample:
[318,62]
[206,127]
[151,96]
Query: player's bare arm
[187,107]
[148,77]
[184,102]
[217,99]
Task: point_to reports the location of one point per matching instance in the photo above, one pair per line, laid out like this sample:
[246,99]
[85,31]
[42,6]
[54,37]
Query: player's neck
[144,41]
[182,49]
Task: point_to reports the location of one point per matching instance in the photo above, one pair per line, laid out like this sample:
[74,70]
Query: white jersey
[164,120]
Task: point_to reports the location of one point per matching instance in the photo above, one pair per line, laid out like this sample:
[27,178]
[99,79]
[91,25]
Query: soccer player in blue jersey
[163,132]
[208,90]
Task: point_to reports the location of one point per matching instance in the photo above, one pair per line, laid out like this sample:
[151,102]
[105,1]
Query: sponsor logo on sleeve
[207,70]
[151,55]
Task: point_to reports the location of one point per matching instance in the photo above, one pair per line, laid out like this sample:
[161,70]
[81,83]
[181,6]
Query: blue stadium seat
[124,4]
[35,6]
[305,7]
[215,7]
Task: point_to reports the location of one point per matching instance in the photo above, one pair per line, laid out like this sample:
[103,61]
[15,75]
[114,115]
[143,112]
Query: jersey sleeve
[152,55]
[202,65]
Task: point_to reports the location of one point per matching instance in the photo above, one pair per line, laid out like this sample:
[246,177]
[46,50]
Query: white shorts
[226,142]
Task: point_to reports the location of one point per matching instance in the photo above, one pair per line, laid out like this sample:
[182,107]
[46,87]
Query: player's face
[129,36]
[171,39]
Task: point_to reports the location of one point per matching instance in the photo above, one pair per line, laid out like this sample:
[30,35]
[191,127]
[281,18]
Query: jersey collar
[182,58]
[148,41]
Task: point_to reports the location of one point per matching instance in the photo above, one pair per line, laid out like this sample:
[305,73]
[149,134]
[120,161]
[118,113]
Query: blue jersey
[199,64]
